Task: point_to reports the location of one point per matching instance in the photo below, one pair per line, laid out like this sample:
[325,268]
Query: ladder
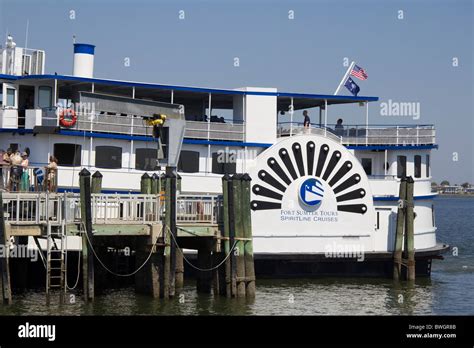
[55,259]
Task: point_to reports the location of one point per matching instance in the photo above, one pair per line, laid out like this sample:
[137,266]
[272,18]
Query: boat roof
[221,98]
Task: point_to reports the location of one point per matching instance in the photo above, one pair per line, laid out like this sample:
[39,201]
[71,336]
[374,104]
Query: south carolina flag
[352,86]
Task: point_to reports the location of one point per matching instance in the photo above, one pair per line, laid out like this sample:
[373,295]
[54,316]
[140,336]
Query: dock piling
[247,233]
[86,219]
[96,185]
[409,231]
[4,266]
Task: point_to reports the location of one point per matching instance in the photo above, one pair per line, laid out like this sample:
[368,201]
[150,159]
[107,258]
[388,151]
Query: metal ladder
[56,258]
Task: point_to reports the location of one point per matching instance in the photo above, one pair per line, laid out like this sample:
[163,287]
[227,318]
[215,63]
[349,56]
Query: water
[449,291]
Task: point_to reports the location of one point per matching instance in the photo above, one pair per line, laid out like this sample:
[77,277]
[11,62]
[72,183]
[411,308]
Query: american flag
[358,72]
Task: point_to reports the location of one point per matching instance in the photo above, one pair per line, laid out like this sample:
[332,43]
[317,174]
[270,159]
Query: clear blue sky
[408,60]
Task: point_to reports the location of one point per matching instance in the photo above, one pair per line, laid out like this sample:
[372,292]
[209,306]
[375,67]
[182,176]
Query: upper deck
[246,115]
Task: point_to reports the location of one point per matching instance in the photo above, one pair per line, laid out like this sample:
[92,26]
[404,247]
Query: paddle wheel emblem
[311,192]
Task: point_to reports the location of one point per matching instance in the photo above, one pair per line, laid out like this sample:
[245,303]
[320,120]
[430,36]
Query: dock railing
[42,207]
[198,209]
[363,135]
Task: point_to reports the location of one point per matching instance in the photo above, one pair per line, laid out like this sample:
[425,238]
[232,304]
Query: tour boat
[324,198]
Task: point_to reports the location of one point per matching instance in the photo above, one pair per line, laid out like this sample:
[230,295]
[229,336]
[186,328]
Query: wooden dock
[154,227]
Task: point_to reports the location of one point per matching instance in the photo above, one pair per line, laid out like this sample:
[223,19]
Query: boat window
[146,159]
[401,166]
[367,165]
[223,164]
[68,154]
[1,94]
[109,157]
[188,161]
[10,97]
[44,96]
[417,166]
[427,166]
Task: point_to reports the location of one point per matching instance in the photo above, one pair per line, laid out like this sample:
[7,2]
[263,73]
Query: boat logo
[311,192]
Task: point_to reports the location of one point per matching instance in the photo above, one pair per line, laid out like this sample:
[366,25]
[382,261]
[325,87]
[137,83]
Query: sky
[413,51]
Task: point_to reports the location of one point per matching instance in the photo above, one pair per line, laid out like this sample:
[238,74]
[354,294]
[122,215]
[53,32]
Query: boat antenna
[26,37]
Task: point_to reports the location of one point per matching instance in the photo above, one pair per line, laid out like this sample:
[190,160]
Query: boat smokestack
[83,60]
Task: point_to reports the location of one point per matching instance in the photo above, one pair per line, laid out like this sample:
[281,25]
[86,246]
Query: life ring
[67,117]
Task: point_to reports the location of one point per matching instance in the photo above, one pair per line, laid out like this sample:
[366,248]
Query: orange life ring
[67,117]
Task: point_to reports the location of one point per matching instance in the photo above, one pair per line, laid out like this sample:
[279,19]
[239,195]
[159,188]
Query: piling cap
[237,177]
[155,176]
[226,177]
[84,172]
[178,176]
[145,176]
[410,180]
[246,177]
[97,174]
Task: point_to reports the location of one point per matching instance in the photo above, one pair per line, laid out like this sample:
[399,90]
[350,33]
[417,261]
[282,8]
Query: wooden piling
[86,217]
[397,253]
[225,231]
[179,281]
[409,230]
[172,186]
[232,238]
[147,280]
[155,178]
[247,233]
[239,233]
[204,278]
[4,264]
[145,184]
[96,186]
[165,292]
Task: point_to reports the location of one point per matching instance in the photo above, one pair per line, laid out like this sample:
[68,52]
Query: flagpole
[344,79]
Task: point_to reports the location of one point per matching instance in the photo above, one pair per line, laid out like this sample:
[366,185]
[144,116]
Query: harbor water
[449,291]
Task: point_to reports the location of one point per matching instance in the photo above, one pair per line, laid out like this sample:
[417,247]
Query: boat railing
[134,125]
[29,179]
[363,135]
[228,130]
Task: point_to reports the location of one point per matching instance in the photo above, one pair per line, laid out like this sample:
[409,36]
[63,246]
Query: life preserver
[67,118]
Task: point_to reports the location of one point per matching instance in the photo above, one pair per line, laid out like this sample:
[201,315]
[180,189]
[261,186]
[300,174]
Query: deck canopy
[221,98]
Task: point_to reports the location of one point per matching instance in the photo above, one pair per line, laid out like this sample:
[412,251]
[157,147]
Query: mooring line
[189,262]
[118,274]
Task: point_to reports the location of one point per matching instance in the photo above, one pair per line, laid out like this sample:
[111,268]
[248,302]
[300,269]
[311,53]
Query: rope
[189,262]
[78,272]
[118,274]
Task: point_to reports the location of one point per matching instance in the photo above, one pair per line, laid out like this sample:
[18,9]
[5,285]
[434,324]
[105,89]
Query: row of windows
[401,166]
[110,157]
[45,96]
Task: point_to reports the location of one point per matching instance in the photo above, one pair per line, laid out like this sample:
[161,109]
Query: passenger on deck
[15,171]
[339,128]
[51,170]
[307,120]
[25,177]
[6,156]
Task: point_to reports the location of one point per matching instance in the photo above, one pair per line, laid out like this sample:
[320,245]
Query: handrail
[43,207]
[367,135]
[38,178]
